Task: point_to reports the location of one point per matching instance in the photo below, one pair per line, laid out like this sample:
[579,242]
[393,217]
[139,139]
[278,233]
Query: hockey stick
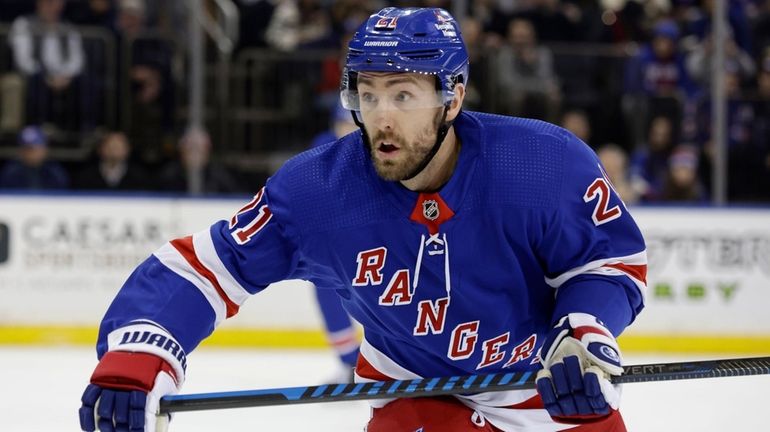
[466,384]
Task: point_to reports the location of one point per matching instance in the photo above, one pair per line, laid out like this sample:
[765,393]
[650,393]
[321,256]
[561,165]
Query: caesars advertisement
[62,259]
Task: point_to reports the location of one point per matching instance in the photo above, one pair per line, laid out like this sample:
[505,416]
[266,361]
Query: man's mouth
[387,147]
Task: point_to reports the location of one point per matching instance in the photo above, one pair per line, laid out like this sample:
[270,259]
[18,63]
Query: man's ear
[457,102]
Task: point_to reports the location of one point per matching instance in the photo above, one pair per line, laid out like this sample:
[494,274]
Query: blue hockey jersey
[465,280]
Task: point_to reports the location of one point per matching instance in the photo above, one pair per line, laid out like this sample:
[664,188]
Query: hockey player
[464,243]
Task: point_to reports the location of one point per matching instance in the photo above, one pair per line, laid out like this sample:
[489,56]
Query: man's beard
[412,154]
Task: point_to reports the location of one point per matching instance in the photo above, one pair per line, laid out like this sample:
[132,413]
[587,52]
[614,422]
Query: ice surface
[40,390]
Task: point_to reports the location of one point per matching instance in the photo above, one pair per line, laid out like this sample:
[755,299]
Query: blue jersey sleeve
[592,249]
[191,284]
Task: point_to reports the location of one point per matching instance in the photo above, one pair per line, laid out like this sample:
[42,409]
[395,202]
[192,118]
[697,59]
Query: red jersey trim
[364,369]
[185,247]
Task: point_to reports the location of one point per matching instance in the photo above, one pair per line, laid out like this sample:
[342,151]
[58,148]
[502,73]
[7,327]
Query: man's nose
[383,118]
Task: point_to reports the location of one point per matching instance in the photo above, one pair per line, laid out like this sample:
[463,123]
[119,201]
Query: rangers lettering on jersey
[431,315]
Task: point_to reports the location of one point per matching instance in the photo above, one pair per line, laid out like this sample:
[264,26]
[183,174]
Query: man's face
[34,156]
[521,34]
[115,148]
[401,113]
[660,133]
[50,10]
[664,47]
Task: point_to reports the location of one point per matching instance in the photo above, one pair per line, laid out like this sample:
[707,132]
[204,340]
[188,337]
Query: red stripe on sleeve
[638,272]
[185,247]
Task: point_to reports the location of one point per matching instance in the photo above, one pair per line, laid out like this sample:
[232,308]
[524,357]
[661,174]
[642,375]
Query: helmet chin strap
[443,129]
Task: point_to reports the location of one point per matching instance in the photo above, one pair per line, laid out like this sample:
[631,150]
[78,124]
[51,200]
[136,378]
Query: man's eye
[367,97]
[403,96]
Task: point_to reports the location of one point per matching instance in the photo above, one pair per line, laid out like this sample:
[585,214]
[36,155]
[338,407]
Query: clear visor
[393,99]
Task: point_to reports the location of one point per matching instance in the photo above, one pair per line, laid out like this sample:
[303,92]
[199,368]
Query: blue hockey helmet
[420,40]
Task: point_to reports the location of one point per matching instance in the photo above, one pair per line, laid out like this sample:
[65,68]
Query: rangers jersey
[464,280]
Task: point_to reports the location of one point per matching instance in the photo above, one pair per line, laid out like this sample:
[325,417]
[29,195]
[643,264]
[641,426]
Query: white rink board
[67,257]
[709,271]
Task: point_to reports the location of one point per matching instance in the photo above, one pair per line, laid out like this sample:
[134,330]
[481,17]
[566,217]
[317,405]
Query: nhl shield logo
[430,209]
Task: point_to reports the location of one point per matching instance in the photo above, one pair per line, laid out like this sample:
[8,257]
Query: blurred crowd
[631,78]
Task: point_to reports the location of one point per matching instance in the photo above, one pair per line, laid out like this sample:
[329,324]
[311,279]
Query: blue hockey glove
[579,355]
[125,391]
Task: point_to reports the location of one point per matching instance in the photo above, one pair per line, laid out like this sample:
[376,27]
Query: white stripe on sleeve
[207,254]
[171,258]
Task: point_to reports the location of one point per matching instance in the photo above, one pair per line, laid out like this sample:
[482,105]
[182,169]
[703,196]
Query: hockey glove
[125,391]
[579,355]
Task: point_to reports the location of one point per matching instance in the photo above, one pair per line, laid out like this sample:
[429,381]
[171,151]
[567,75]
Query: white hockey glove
[578,356]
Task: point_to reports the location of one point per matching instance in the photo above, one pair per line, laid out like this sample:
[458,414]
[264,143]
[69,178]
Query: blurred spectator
[577,122]
[528,86]
[741,151]
[172,17]
[737,21]
[580,71]
[473,35]
[299,23]
[628,23]
[483,10]
[255,16]
[92,13]
[656,81]
[328,87]
[686,13]
[33,170]
[761,30]
[615,162]
[659,68]
[49,53]
[150,107]
[341,124]
[554,20]
[699,61]
[589,16]
[112,168]
[181,175]
[347,16]
[649,163]
[761,132]
[682,183]
[763,90]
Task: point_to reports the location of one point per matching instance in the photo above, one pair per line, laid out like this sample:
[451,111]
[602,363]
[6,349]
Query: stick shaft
[467,384]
